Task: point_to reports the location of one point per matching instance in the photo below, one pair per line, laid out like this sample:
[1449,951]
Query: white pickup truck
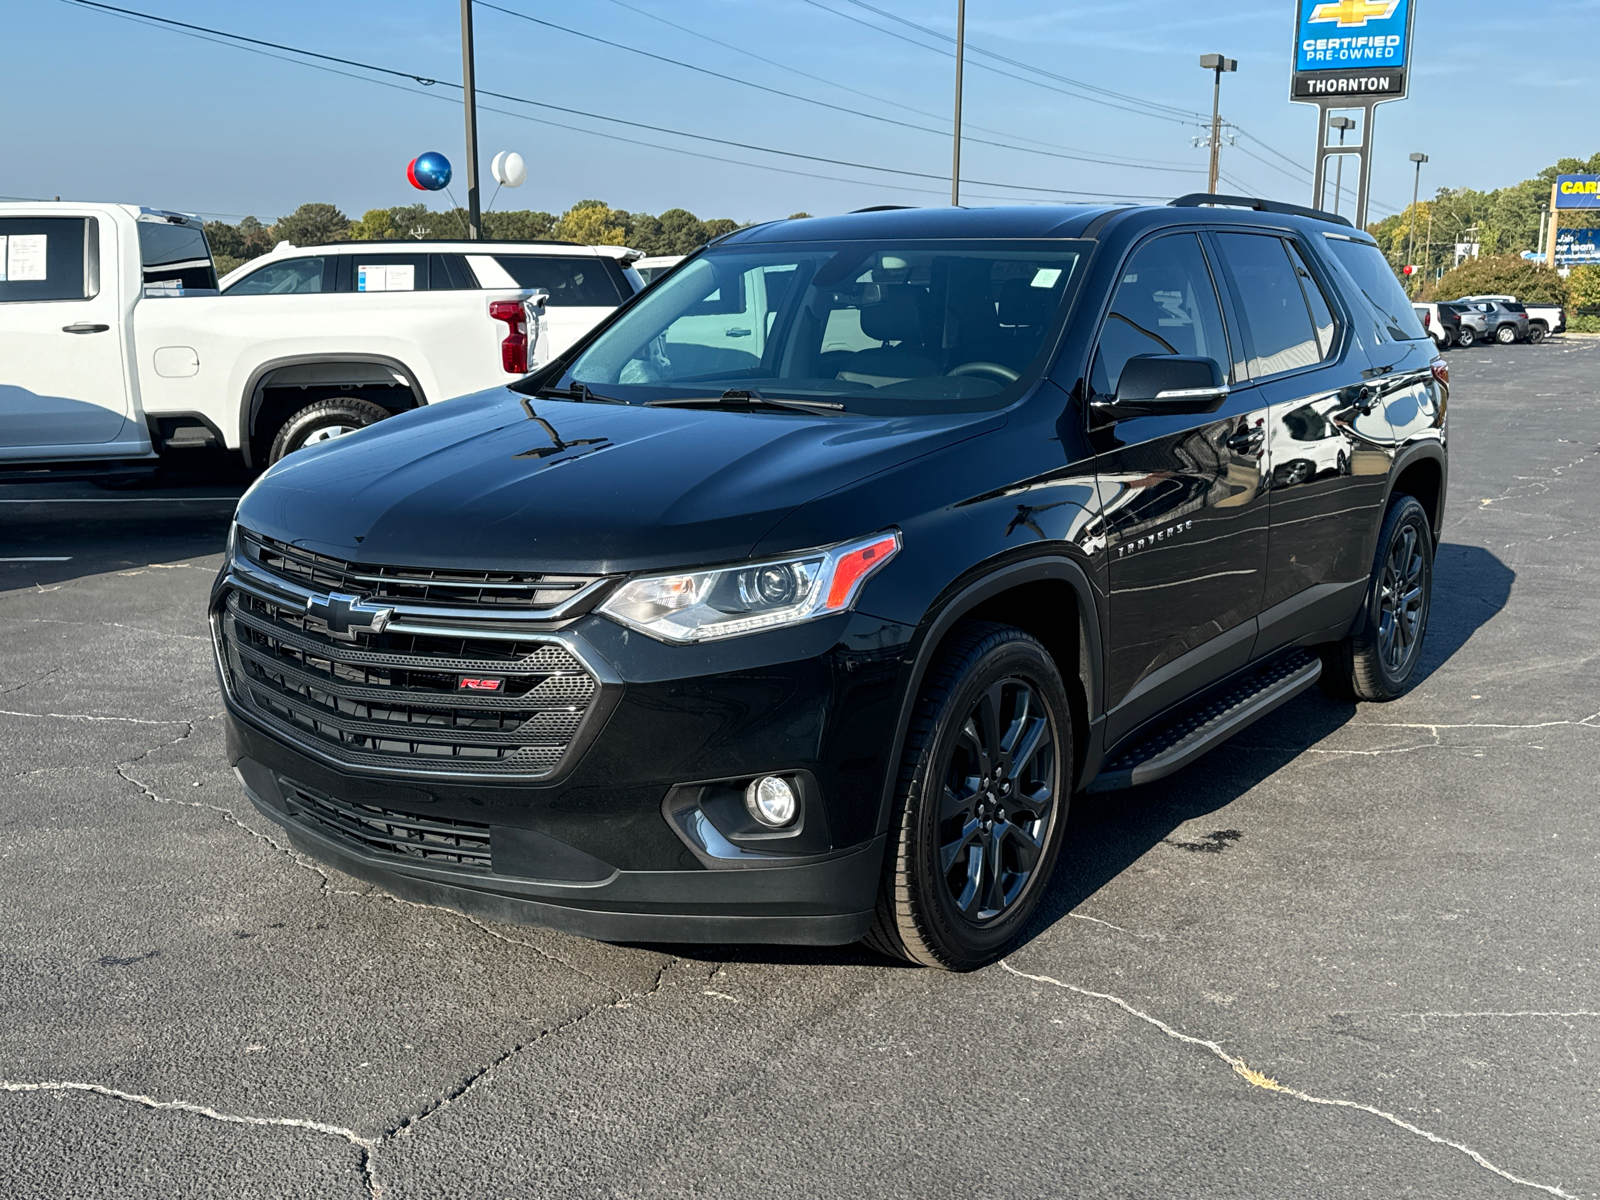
[118,348]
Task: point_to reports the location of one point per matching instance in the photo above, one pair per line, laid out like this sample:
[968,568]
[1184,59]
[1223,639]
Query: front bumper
[593,851]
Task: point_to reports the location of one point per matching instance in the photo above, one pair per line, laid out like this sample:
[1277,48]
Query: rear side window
[1166,303]
[1282,337]
[292,277]
[571,282]
[1516,308]
[48,258]
[1321,311]
[176,254]
[1378,285]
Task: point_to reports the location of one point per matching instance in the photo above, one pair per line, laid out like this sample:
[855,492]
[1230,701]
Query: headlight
[700,606]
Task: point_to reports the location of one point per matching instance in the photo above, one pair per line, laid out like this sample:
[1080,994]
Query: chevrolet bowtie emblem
[1355,13]
[345,616]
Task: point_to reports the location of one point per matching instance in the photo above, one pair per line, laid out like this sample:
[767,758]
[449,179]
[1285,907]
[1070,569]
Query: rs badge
[470,683]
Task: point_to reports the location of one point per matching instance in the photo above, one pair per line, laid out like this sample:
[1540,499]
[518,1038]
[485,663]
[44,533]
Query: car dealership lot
[1351,953]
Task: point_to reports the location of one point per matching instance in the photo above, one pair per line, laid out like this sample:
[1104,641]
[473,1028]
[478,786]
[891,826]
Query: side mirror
[1167,383]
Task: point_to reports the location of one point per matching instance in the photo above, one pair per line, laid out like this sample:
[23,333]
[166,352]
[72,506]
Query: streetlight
[961,58]
[1411,246]
[469,96]
[1219,64]
[1544,214]
[1341,124]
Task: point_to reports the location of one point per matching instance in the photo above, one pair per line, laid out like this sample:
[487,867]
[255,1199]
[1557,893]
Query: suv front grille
[394,700]
[426,839]
[530,591]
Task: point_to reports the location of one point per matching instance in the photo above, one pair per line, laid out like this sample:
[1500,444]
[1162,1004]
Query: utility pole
[1218,64]
[1342,124]
[1555,221]
[1544,215]
[961,59]
[469,97]
[1411,244]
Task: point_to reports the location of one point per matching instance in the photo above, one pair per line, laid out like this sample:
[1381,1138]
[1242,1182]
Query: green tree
[645,234]
[258,238]
[376,225]
[520,226]
[1502,275]
[719,227]
[1584,285]
[313,225]
[593,223]
[681,232]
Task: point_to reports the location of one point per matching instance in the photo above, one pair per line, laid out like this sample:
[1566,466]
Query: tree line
[588,222]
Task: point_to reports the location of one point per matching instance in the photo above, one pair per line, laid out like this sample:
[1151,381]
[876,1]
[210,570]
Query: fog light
[772,800]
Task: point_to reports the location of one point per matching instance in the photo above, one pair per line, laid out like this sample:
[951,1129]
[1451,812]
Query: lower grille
[426,839]
[396,700]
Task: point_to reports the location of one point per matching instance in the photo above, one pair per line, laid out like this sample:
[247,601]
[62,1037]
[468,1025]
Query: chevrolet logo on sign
[345,616]
[1355,13]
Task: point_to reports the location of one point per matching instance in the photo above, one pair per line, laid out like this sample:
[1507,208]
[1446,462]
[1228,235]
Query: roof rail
[1196,199]
[880,208]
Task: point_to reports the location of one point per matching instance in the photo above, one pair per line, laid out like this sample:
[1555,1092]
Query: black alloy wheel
[1379,659]
[982,803]
[1536,334]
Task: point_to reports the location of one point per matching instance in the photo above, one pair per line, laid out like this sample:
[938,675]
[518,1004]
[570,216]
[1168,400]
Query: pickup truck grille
[535,593]
[396,701]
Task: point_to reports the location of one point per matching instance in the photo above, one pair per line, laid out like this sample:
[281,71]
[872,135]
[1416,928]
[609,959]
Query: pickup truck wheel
[981,804]
[1467,336]
[322,421]
[1536,334]
[1377,661]
[1506,334]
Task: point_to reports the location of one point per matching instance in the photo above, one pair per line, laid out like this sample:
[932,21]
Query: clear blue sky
[99,107]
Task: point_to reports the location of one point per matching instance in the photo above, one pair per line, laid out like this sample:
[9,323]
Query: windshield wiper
[579,392]
[746,397]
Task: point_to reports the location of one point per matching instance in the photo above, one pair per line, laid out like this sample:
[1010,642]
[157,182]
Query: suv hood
[478,483]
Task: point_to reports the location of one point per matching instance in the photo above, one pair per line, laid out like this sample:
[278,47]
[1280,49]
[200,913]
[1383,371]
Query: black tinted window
[1321,311]
[571,282]
[42,258]
[1379,287]
[176,254]
[292,277]
[1281,334]
[1166,303]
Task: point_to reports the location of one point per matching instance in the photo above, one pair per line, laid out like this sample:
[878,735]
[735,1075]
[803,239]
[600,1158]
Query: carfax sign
[1577,191]
[1354,48]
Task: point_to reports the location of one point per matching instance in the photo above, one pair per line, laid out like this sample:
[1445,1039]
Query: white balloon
[508,169]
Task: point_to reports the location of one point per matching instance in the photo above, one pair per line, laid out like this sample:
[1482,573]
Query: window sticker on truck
[22,257]
[396,277]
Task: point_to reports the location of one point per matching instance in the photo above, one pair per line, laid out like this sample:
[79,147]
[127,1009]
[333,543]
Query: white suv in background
[118,348]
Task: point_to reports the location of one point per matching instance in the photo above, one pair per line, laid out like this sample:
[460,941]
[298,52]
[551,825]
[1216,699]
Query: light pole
[469,97]
[1411,244]
[1218,64]
[961,58]
[1341,124]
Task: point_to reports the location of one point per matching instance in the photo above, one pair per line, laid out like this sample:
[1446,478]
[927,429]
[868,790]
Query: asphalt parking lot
[1352,953]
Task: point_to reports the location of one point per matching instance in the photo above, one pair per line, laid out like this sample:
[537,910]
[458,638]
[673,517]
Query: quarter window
[571,282]
[1321,311]
[1377,282]
[1282,337]
[1165,303]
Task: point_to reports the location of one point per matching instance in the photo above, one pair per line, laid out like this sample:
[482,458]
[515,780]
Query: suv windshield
[883,328]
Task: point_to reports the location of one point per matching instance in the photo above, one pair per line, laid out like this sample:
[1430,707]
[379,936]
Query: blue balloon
[430,171]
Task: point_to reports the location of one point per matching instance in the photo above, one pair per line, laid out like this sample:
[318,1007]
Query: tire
[1379,658]
[1467,337]
[1536,334]
[1506,335]
[322,421]
[957,802]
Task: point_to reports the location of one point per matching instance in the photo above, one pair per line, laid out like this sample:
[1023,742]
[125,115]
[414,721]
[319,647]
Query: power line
[761,87]
[921,112]
[428,81]
[1077,83]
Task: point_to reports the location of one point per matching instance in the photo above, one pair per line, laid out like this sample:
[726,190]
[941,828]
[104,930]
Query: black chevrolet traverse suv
[797,601]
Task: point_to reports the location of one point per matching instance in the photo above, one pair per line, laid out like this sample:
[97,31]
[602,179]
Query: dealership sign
[1575,246]
[1351,48]
[1578,191]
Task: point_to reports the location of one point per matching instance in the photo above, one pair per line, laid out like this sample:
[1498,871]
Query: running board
[1207,725]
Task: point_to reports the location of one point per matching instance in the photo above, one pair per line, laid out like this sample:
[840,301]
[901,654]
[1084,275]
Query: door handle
[84,327]
[1245,442]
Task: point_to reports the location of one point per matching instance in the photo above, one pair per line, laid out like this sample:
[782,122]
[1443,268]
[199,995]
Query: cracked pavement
[1350,953]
